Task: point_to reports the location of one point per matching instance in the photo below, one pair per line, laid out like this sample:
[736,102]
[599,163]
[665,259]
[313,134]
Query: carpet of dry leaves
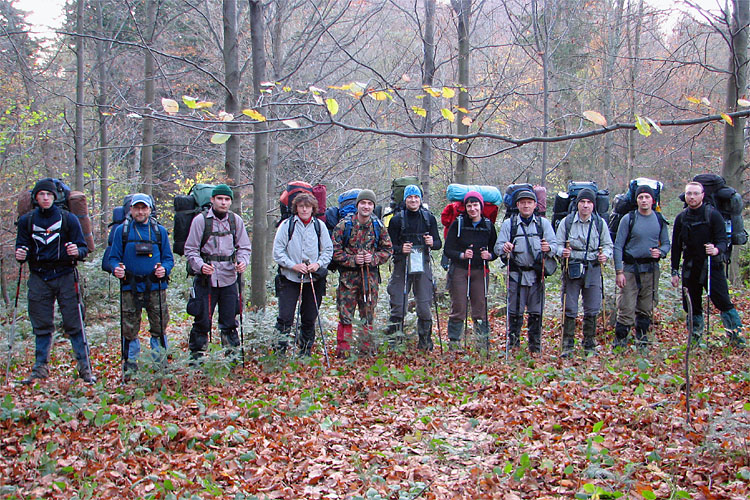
[396,425]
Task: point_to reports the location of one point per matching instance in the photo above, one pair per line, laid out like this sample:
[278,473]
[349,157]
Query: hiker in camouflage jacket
[360,245]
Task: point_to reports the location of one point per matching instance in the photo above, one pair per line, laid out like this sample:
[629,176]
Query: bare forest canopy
[159,94]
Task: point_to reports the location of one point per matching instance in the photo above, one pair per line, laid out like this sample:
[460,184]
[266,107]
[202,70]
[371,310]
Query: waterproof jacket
[139,269]
[478,236]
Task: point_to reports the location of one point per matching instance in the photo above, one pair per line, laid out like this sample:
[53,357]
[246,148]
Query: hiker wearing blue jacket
[51,241]
[142,259]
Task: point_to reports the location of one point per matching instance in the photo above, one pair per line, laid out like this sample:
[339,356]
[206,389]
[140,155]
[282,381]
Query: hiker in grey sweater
[642,239]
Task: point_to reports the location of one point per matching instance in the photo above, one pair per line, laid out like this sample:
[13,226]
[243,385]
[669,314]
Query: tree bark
[734,136]
[462,9]
[610,57]
[80,77]
[634,49]
[147,155]
[260,172]
[101,103]
[428,77]
[232,102]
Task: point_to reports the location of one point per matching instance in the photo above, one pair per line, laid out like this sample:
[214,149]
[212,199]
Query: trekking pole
[708,298]
[689,303]
[566,262]
[507,309]
[162,335]
[486,277]
[242,318]
[12,332]
[604,302]
[468,298]
[320,326]
[437,312]
[406,298]
[210,309]
[124,344]
[543,285]
[86,349]
[297,321]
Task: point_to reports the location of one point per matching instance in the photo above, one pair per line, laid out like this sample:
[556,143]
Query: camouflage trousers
[351,294]
[132,305]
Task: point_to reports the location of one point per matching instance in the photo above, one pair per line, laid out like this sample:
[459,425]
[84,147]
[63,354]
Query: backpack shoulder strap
[157,231]
[568,221]
[513,227]
[208,228]
[290,223]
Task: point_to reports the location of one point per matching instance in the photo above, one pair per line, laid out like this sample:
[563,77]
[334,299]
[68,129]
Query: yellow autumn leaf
[170,106]
[332,105]
[286,89]
[459,141]
[189,101]
[291,123]
[254,115]
[105,113]
[596,117]
[642,126]
[220,138]
[727,119]
[466,120]
[743,102]
[448,92]
[380,95]
[203,104]
[448,114]
[463,110]
[694,100]
[419,111]
[431,91]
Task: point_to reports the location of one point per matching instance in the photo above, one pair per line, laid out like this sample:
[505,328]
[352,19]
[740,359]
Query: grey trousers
[592,294]
[420,283]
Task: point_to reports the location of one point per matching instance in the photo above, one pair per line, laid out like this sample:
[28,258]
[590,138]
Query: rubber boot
[230,341]
[514,331]
[282,339]
[366,343]
[568,336]
[642,324]
[535,333]
[393,331]
[621,336]
[131,362]
[698,326]
[40,371]
[82,357]
[306,341]
[343,340]
[733,326]
[482,335]
[424,334]
[589,334]
[455,330]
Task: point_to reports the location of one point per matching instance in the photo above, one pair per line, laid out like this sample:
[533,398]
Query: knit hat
[222,189]
[525,193]
[645,189]
[474,196]
[366,194]
[141,198]
[44,185]
[412,190]
[586,194]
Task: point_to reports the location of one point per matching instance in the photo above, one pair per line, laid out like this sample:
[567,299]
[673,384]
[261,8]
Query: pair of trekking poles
[317,312]
[485,277]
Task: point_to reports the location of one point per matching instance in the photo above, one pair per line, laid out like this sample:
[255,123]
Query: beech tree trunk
[462,9]
[232,102]
[147,154]
[80,74]
[428,77]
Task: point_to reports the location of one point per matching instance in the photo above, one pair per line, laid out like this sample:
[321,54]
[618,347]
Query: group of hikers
[217,249]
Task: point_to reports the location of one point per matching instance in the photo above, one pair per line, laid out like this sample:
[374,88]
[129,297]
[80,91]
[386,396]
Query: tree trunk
[634,48]
[80,74]
[147,155]
[733,162]
[462,9]
[542,45]
[101,103]
[428,77]
[260,172]
[610,57]
[232,102]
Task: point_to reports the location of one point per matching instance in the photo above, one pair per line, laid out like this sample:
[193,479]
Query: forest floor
[399,425]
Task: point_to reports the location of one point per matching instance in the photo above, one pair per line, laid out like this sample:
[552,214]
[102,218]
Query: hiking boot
[698,326]
[514,331]
[38,372]
[424,333]
[733,326]
[535,333]
[642,324]
[589,334]
[84,372]
[621,336]
[482,332]
[568,336]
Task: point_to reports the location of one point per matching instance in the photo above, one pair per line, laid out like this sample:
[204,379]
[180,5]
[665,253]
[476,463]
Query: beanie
[525,193]
[586,194]
[474,196]
[366,194]
[645,189]
[44,185]
[412,190]
[222,189]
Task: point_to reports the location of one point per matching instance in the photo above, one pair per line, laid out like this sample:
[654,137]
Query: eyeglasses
[693,193]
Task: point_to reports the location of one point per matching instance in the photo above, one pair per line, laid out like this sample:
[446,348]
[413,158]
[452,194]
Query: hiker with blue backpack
[51,241]
[527,239]
[360,244]
[142,259]
[302,249]
[585,245]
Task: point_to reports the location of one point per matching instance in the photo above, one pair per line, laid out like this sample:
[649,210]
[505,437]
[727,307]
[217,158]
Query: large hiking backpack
[626,202]
[566,202]
[287,196]
[70,201]
[456,208]
[119,214]
[727,201]
[377,226]
[186,207]
[509,199]
[397,190]
[347,205]
[491,194]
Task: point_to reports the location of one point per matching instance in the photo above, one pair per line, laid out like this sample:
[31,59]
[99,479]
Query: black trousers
[227,298]
[289,292]
[694,280]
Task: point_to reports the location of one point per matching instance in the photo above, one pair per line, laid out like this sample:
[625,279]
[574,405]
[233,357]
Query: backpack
[631,223]
[119,214]
[347,206]
[287,196]
[377,226]
[566,202]
[598,221]
[68,201]
[125,234]
[186,207]
[626,203]
[550,264]
[727,201]
[397,190]
[509,199]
